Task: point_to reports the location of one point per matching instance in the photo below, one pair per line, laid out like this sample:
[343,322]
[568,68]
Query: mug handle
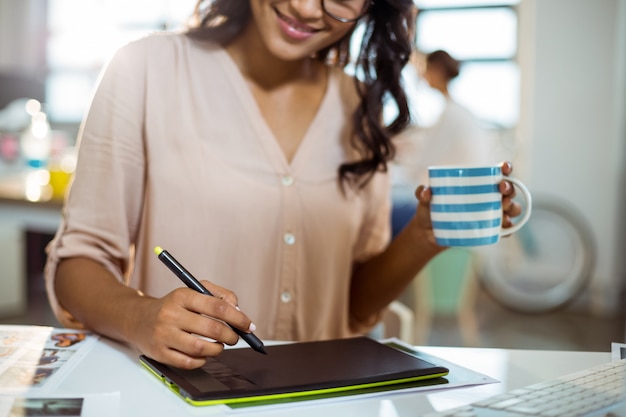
[527,210]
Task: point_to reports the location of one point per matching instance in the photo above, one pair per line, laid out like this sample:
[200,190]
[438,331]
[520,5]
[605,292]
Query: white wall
[620,259]
[572,132]
[23,33]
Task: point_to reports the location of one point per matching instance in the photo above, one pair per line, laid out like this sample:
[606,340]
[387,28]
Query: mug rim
[494,171]
[448,167]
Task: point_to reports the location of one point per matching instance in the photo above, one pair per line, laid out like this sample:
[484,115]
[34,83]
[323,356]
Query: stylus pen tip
[259,347]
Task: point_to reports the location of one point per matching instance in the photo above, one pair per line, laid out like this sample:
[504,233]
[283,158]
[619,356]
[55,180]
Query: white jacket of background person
[456,138]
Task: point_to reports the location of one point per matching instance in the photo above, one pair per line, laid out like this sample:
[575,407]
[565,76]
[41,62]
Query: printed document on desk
[35,359]
[89,405]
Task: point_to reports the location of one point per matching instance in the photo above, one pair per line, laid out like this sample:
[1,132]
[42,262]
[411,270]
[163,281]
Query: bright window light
[68,95]
[484,33]
[85,34]
[490,90]
[424,4]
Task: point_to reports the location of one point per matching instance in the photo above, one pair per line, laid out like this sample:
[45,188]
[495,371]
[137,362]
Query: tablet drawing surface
[294,370]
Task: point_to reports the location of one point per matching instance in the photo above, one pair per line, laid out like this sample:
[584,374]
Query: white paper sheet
[618,351]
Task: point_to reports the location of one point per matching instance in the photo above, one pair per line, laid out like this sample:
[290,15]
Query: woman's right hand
[185,327]
[172,330]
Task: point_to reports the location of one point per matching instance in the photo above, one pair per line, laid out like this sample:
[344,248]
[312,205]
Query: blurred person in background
[457,137]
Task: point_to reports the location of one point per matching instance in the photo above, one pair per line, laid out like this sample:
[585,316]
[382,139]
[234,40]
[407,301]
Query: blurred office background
[547,78]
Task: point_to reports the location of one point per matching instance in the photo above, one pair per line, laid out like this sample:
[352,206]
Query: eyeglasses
[346,11]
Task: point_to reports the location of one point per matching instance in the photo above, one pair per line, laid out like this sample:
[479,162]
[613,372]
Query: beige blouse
[174,152]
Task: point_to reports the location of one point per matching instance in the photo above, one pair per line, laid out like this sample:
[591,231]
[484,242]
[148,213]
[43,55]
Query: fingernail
[252,327]
[237,307]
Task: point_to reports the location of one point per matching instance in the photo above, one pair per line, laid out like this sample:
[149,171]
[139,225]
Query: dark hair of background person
[442,60]
[384,51]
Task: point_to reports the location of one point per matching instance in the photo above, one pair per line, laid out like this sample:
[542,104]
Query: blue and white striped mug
[466,205]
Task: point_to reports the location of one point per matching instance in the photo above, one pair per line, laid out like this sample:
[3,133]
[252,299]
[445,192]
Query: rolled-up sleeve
[102,209]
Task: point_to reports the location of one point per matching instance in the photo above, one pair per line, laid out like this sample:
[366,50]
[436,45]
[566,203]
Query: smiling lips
[294,28]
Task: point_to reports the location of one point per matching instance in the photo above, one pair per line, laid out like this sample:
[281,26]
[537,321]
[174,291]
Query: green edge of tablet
[297,394]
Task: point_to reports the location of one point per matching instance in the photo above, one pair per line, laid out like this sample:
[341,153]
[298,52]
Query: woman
[244,150]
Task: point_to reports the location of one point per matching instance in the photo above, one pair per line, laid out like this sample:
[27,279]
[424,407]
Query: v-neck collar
[265,134]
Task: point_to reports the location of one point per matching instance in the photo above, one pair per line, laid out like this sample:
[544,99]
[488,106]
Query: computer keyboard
[593,392]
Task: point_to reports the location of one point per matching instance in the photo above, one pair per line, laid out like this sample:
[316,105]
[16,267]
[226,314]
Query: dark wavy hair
[385,49]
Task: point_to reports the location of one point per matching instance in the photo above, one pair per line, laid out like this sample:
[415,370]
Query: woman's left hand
[509,207]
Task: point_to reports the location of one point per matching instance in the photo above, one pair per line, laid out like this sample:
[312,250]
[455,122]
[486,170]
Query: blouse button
[287,180]
[285,297]
[289,238]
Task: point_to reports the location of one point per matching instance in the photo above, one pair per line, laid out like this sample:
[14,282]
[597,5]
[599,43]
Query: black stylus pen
[189,280]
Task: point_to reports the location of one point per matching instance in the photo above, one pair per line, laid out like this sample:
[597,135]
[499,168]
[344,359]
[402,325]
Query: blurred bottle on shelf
[35,141]
[60,168]
[35,145]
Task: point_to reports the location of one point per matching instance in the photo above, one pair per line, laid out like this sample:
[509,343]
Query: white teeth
[295,25]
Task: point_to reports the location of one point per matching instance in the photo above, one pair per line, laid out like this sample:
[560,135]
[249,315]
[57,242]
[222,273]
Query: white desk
[112,367]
